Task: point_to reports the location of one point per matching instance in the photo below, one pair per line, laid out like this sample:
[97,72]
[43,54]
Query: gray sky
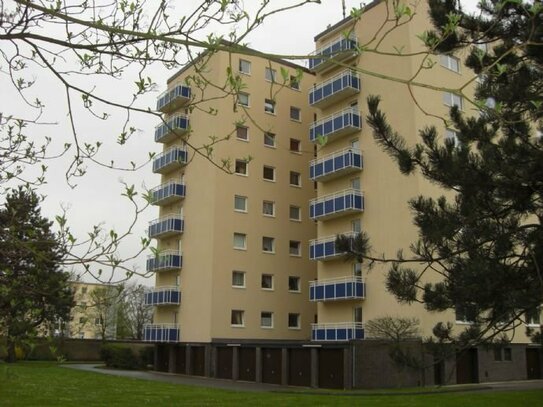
[96,199]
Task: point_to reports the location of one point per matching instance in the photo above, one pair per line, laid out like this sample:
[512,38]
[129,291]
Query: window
[355,143]
[240,241]
[294,284]
[295,178]
[244,66]
[237,317]
[83,290]
[450,62]
[357,269]
[465,313]
[269,106]
[238,279]
[294,213]
[242,133]
[452,99]
[497,354]
[295,248]
[356,226]
[294,82]
[266,319]
[355,183]
[97,321]
[534,317]
[293,321]
[240,203]
[504,354]
[267,282]
[295,145]
[268,244]
[270,74]
[507,354]
[295,113]
[451,136]
[483,47]
[268,208]
[269,139]
[241,167]
[243,99]
[357,314]
[268,173]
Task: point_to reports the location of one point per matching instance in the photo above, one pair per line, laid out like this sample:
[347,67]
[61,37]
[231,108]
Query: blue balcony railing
[341,86]
[173,99]
[336,164]
[161,333]
[340,203]
[163,296]
[339,49]
[172,158]
[164,261]
[168,192]
[345,288]
[174,127]
[339,124]
[343,331]
[325,247]
[166,226]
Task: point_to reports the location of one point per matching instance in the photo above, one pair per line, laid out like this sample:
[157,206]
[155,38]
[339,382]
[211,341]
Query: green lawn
[44,384]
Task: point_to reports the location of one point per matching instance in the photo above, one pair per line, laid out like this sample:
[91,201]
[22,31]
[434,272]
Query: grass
[46,384]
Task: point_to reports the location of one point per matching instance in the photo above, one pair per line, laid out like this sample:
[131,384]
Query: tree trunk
[11,357]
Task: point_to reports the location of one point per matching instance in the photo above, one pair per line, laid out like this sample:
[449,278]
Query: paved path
[264,387]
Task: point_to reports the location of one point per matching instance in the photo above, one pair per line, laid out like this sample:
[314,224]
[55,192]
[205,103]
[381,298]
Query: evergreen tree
[34,292]
[485,240]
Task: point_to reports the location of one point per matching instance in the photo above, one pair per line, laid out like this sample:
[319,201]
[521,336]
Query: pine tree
[34,292]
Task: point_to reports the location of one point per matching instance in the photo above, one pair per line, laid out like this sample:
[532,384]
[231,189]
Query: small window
[244,66]
[355,183]
[240,241]
[294,82]
[357,269]
[240,203]
[270,74]
[293,321]
[452,99]
[97,321]
[268,173]
[497,354]
[451,136]
[242,133]
[268,208]
[241,167]
[269,106]
[269,139]
[507,354]
[357,314]
[295,179]
[267,282]
[268,244]
[243,99]
[295,113]
[356,225]
[450,62]
[238,279]
[465,314]
[237,318]
[295,145]
[483,47]
[266,319]
[295,248]
[534,317]
[294,284]
[295,213]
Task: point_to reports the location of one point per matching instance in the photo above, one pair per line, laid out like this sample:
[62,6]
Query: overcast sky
[97,197]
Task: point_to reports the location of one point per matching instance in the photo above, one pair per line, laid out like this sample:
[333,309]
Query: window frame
[272,203]
[268,167]
[299,246]
[239,100]
[270,74]
[294,80]
[451,134]
[268,239]
[269,106]
[242,318]
[270,317]
[263,276]
[243,274]
[298,284]
[244,198]
[298,143]
[240,70]
[299,219]
[295,109]
[298,177]
[449,100]
[270,136]
[245,163]
[298,320]
[246,133]
[244,235]
[447,61]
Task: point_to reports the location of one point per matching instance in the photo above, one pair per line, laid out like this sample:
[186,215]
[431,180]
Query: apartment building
[233,226]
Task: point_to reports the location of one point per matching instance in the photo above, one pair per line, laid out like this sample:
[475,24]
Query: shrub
[147,356]
[119,356]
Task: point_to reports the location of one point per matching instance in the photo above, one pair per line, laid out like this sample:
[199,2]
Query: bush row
[123,357]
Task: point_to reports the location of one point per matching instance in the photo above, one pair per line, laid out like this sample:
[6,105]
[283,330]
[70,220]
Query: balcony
[173,158]
[161,333]
[337,50]
[176,126]
[337,125]
[173,99]
[163,296]
[343,331]
[166,226]
[325,248]
[167,193]
[345,288]
[336,164]
[338,204]
[167,260]
[341,86]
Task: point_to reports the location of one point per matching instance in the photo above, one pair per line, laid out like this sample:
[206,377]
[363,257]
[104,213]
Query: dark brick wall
[491,370]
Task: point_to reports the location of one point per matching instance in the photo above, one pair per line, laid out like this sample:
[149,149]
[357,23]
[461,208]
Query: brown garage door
[224,362]
[198,357]
[247,364]
[180,359]
[331,368]
[162,358]
[533,363]
[299,367]
[271,366]
[467,367]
